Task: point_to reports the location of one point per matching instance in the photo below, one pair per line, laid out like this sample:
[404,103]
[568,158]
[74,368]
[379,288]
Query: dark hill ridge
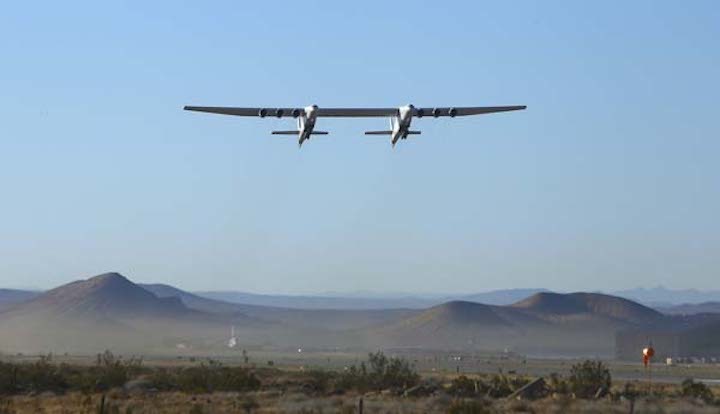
[102,295]
[588,303]
[461,312]
[191,300]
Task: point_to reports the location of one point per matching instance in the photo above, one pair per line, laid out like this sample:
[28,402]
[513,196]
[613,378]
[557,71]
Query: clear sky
[609,180]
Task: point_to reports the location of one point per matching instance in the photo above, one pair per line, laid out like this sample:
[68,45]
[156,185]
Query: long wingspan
[354,112]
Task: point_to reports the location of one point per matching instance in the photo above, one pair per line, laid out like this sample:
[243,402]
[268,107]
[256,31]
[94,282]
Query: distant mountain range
[660,296]
[685,301]
[358,302]
[110,311]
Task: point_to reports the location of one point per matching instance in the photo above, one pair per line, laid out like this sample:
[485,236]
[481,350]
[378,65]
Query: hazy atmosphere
[609,180]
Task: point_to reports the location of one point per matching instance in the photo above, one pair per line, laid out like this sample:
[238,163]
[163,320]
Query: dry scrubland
[273,402]
[384,385]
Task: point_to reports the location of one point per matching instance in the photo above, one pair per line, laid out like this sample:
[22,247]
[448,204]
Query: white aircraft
[400,118]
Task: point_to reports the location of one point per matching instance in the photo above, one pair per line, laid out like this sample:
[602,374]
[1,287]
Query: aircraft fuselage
[306,123]
[400,125]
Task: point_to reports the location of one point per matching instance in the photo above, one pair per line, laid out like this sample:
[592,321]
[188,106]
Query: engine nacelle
[452,112]
[420,113]
[279,113]
[295,113]
[436,112]
[262,113]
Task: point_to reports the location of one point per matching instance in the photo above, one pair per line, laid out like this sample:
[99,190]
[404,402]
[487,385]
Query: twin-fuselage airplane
[400,118]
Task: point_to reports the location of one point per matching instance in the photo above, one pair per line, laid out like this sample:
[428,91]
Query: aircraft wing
[465,110]
[353,112]
[227,110]
[324,112]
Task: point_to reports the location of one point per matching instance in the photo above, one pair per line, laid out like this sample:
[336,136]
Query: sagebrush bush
[587,377]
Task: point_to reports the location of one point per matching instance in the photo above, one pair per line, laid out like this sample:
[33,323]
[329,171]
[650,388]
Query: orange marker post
[648,353]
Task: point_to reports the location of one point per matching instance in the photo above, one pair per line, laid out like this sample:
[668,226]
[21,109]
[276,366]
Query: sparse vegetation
[110,372]
[208,377]
[380,373]
[111,384]
[587,377]
[692,389]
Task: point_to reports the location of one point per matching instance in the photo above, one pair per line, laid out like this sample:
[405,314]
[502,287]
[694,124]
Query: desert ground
[316,382]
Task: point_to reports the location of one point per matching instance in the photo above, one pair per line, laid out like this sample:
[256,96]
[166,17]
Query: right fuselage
[401,124]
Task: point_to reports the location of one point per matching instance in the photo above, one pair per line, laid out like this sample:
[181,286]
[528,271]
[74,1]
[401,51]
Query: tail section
[296,132]
[414,132]
[378,132]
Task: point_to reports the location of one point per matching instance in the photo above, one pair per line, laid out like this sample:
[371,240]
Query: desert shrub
[587,377]
[42,375]
[8,378]
[111,371]
[692,389]
[379,373]
[499,386]
[463,386]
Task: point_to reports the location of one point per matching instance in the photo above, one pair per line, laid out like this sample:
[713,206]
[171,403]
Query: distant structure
[232,342]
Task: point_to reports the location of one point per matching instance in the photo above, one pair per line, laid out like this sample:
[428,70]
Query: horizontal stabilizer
[285,132]
[414,132]
[319,133]
[378,132]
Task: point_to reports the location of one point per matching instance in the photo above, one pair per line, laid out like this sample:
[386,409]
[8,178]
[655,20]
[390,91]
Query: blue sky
[609,180]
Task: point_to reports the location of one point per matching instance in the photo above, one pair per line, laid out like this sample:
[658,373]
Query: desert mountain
[543,324]
[109,312]
[109,295]
[502,296]
[595,304]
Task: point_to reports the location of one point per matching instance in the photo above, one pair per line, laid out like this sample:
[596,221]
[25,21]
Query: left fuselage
[306,123]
